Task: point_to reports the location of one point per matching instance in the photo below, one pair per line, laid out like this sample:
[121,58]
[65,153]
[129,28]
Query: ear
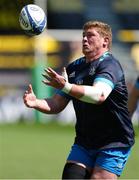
[106,42]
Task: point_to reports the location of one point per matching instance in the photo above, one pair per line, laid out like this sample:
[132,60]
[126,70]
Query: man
[96,85]
[134,97]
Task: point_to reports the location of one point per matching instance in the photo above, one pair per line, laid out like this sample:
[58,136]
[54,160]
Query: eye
[83,35]
[89,35]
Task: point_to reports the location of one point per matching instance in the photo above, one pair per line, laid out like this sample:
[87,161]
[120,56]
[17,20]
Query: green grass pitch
[39,151]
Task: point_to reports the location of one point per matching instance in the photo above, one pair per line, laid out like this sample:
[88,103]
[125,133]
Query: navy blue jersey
[108,124]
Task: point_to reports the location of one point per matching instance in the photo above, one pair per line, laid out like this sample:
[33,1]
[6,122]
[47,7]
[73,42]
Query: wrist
[67,87]
[36,104]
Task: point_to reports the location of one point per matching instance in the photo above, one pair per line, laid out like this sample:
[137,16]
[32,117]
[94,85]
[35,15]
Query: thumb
[30,88]
[64,74]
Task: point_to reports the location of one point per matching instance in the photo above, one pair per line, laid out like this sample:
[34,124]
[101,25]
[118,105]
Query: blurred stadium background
[22,61]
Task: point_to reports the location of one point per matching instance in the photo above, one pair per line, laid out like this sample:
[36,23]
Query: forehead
[91,30]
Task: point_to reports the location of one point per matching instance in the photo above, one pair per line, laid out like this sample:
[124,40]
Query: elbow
[101,99]
[98,99]
[94,95]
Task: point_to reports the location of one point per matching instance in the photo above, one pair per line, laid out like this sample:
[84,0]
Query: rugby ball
[32,19]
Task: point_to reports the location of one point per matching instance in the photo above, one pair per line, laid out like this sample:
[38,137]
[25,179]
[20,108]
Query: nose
[84,38]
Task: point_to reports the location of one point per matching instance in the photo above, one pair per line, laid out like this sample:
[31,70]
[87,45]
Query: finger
[47,77]
[24,96]
[26,92]
[50,72]
[30,90]
[64,74]
[46,82]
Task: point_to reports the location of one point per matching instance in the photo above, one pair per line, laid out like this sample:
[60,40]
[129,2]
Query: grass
[39,151]
[131,170]
[33,151]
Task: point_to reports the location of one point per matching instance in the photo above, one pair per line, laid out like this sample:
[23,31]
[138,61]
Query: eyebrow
[88,33]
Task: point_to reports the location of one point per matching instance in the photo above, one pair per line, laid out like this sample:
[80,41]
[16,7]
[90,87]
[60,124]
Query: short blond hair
[102,28]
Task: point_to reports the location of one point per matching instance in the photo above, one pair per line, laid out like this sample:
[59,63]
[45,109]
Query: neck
[93,56]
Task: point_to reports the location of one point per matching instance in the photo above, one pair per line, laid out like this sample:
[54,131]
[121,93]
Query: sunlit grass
[39,151]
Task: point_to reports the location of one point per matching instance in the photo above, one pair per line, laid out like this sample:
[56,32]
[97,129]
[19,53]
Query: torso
[108,124]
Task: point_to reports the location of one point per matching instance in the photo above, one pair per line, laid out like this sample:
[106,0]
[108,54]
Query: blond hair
[102,28]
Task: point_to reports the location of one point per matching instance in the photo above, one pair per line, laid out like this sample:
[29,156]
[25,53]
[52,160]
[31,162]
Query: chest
[83,74]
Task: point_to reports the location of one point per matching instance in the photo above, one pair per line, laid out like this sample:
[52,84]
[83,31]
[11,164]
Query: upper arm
[110,71]
[97,93]
[104,86]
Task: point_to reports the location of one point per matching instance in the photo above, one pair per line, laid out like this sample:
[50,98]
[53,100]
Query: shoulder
[111,59]
[110,69]
[75,63]
[110,63]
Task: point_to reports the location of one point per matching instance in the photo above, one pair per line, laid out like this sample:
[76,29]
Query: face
[92,42]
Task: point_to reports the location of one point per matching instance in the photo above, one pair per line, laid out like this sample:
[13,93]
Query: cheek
[95,42]
[99,42]
[91,41]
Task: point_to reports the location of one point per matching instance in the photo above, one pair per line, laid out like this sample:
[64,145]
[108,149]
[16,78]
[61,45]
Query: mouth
[85,45]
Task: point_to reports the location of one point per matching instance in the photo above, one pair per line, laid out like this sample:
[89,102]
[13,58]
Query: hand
[53,79]
[64,74]
[29,97]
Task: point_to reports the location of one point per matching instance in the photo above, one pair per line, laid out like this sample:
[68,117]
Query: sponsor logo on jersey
[92,71]
[72,74]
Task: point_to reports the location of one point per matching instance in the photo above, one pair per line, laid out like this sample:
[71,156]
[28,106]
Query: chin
[86,52]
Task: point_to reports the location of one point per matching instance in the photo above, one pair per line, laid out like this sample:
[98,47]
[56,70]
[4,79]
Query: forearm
[51,105]
[47,106]
[94,94]
[91,94]
[42,106]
